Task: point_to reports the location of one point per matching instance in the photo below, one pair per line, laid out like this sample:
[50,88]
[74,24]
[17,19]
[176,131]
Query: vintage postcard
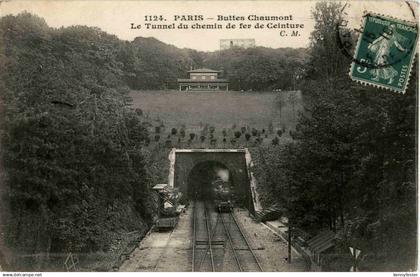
[208,136]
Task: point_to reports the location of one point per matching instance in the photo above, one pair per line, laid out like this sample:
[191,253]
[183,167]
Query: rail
[194,239]
[206,215]
[246,241]
[209,234]
[231,244]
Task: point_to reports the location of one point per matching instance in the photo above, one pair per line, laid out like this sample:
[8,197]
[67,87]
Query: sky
[115,17]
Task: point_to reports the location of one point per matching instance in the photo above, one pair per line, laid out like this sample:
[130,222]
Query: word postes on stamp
[386,49]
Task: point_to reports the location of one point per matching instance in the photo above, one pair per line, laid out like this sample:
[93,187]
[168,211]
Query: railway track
[218,240]
[244,255]
[202,250]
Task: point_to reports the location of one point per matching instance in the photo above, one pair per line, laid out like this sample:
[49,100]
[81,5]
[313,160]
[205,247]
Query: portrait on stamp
[388,46]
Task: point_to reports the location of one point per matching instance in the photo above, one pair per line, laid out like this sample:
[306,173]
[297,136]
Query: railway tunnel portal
[202,178]
[193,170]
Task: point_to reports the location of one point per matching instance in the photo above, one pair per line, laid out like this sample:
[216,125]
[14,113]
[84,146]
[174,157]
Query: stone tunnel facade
[237,161]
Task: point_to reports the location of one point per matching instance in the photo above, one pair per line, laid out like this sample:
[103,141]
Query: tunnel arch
[201,177]
[182,162]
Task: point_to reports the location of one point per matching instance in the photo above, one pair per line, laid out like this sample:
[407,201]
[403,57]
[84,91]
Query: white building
[241,43]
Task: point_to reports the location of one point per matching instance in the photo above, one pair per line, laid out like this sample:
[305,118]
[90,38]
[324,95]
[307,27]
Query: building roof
[204,70]
[202,81]
[322,241]
[160,186]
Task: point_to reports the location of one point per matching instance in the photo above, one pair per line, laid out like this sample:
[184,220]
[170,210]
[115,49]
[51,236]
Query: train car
[168,223]
[222,196]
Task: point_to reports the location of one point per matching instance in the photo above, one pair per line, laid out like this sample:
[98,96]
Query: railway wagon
[166,223]
[223,196]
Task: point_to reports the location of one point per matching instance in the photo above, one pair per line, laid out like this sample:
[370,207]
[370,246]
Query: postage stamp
[386,49]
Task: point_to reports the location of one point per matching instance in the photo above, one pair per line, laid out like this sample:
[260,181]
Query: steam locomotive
[223,195]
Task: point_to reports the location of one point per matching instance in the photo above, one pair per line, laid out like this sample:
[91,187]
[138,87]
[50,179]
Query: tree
[340,174]
[254,132]
[71,145]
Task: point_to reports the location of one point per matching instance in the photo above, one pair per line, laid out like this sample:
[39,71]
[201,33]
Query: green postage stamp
[385,52]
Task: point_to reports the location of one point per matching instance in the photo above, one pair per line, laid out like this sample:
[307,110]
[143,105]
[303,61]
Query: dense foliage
[71,144]
[259,69]
[352,166]
[156,65]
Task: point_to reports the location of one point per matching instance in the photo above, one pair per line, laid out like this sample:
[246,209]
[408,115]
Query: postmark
[385,52]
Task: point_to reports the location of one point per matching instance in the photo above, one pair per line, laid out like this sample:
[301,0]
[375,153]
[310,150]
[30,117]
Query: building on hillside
[203,79]
[241,43]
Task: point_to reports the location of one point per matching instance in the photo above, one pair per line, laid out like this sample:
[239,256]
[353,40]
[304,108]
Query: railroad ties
[219,242]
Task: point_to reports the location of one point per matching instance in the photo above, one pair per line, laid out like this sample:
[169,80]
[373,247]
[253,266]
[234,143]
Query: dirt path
[163,251]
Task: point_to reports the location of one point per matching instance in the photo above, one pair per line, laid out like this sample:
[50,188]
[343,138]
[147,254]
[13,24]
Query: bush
[147,141]
[157,138]
[238,134]
[168,143]
[247,136]
[202,138]
[279,133]
[254,132]
[174,131]
[275,141]
[139,112]
[157,129]
[192,136]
